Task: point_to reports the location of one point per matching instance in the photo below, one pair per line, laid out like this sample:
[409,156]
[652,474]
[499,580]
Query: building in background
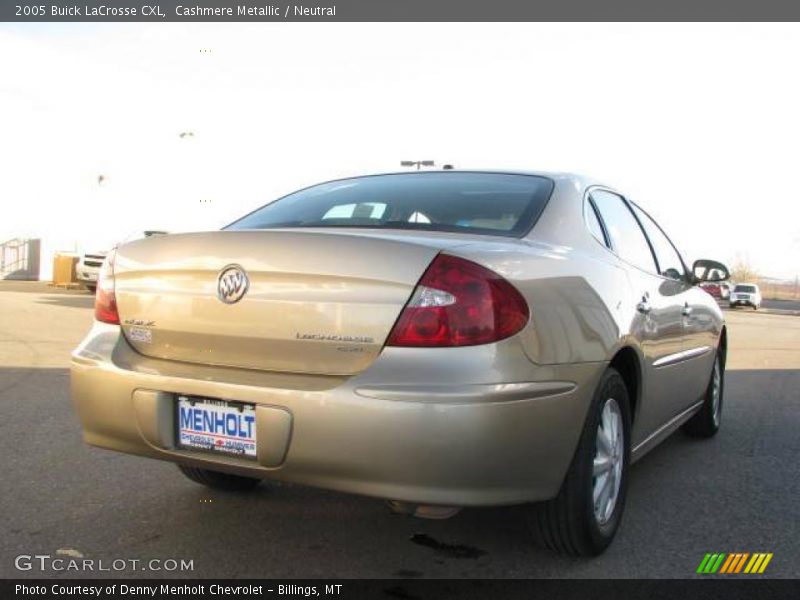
[20,259]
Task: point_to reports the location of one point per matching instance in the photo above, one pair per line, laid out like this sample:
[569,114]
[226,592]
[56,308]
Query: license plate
[216,426]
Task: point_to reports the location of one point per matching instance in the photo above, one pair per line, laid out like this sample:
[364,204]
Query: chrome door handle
[644,306]
[687,310]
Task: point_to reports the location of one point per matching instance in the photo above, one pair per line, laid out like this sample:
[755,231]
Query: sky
[698,123]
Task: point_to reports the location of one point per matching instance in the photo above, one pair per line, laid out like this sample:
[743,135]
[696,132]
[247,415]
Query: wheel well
[626,362]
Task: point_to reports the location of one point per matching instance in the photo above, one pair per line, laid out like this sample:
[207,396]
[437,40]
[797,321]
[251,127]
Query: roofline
[563,177]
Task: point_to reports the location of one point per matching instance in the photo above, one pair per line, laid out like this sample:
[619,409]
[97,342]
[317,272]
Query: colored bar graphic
[723,563]
[764,564]
[732,558]
[741,562]
[756,563]
[718,563]
[710,564]
[703,563]
[749,566]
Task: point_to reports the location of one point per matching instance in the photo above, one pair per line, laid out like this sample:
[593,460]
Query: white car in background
[88,268]
[745,294]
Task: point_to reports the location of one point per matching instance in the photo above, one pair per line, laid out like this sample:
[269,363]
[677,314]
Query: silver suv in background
[745,294]
[88,268]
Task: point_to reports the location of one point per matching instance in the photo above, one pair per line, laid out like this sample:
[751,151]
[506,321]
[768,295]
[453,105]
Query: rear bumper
[427,441]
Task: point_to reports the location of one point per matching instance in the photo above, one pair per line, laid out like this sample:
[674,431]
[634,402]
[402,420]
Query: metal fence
[19,259]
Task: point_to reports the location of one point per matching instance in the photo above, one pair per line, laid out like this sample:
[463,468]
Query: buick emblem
[232,284]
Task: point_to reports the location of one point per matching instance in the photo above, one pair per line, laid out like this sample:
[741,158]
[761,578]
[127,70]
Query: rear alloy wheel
[218,480]
[705,423]
[583,519]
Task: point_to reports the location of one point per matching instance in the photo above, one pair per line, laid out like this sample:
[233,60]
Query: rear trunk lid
[313,301]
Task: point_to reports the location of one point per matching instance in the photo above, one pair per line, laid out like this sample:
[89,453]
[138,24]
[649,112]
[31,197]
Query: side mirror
[709,270]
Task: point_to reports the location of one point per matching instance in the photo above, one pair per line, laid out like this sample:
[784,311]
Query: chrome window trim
[589,205]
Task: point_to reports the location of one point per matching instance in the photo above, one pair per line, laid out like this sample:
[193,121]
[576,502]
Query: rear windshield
[745,289]
[485,203]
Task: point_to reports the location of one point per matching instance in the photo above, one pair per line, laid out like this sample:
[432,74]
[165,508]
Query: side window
[627,237]
[593,223]
[669,261]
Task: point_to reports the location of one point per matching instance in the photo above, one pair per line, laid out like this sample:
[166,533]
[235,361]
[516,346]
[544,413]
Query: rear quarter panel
[577,291]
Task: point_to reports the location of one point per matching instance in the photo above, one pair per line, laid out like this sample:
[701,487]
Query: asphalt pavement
[737,492]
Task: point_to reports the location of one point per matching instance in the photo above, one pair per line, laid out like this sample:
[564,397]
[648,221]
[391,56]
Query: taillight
[105,302]
[459,303]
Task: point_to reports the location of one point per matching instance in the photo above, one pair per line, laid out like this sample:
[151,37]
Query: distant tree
[742,270]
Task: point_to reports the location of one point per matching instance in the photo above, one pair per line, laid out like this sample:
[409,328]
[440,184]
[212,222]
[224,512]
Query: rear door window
[626,236]
[669,261]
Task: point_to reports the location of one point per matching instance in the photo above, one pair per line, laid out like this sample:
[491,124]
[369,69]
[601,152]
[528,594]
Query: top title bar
[398,10]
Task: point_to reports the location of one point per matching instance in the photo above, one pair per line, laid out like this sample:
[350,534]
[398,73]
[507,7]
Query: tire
[218,480]
[569,523]
[92,288]
[705,423]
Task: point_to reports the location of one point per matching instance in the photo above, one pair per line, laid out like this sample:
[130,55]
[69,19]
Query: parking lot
[734,493]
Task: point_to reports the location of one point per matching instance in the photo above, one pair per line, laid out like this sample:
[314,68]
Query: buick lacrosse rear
[434,339]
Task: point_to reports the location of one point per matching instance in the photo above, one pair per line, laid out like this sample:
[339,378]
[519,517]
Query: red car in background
[720,291]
